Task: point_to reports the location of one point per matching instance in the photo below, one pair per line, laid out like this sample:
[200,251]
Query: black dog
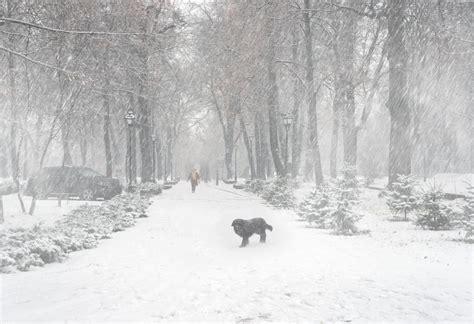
[246,228]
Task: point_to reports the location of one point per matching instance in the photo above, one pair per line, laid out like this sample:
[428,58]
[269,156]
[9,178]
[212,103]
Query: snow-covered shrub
[256,186]
[151,188]
[348,185]
[344,218]
[331,206]
[317,207]
[279,193]
[82,228]
[467,219]
[23,248]
[434,215]
[45,249]
[402,198]
[7,263]
[346,196]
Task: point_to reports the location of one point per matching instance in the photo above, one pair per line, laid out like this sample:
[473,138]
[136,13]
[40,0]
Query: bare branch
[34,61]
[82,32]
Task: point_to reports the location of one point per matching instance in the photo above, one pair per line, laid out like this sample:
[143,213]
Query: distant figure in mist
[194,177]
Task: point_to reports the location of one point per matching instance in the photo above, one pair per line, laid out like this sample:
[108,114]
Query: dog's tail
[269,227]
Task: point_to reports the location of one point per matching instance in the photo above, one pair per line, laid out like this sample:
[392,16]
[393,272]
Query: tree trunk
[106,107]
[249,147]
[65,124]
[229,143]
[335,135]
[25,161]
[169,152]
[145,138]
[272,92]
[83,148]
[297,133]
[259,157]
[144,114]
[345,47]
[37,139]
[398,104]
[14,120]
[159,157]
[2,217]
[107,146]
[312,113]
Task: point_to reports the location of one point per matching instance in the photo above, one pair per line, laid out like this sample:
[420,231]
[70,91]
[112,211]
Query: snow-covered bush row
[151,188]
[331,205]
[278,192]
[22,248]
[256,186]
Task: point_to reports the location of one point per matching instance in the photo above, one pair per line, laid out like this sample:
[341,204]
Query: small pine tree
[434,214]
[348,185]
[344,218]
[345,196]
[317,206]
[280,193]
[255,186]
[402,198]
[468,216]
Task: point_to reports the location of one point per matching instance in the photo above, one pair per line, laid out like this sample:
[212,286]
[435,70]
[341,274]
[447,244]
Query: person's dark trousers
[193,186]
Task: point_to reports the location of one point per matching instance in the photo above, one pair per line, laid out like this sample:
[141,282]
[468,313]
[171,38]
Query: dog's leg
[263,237]
[245,241]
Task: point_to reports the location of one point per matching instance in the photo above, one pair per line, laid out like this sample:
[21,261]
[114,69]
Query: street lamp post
[287,120]
[165,149]
[153,142]
[130,119]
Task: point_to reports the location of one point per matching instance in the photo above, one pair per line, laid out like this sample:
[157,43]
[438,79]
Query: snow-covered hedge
[22,248]
[151,188]
[256,186]
[279,193]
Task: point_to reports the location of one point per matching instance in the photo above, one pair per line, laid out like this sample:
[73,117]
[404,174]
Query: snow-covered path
[183,263]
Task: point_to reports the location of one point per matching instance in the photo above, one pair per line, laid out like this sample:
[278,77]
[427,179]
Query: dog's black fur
[246,228]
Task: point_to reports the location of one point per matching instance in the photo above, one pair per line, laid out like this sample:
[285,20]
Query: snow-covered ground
[183,263]
[46,212]
[453,183]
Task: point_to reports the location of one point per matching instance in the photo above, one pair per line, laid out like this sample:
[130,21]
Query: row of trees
[73,69]
[388,74]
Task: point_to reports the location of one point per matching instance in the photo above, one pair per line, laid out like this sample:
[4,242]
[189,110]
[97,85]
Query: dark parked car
[81,182]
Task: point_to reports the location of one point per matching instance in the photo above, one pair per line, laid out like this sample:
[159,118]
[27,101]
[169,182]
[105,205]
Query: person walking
[194,177]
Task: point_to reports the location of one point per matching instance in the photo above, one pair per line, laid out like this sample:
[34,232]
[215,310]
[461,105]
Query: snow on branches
[331,206]
[402,198]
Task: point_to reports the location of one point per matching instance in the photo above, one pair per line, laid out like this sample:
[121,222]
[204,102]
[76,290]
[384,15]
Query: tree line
[380,85]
